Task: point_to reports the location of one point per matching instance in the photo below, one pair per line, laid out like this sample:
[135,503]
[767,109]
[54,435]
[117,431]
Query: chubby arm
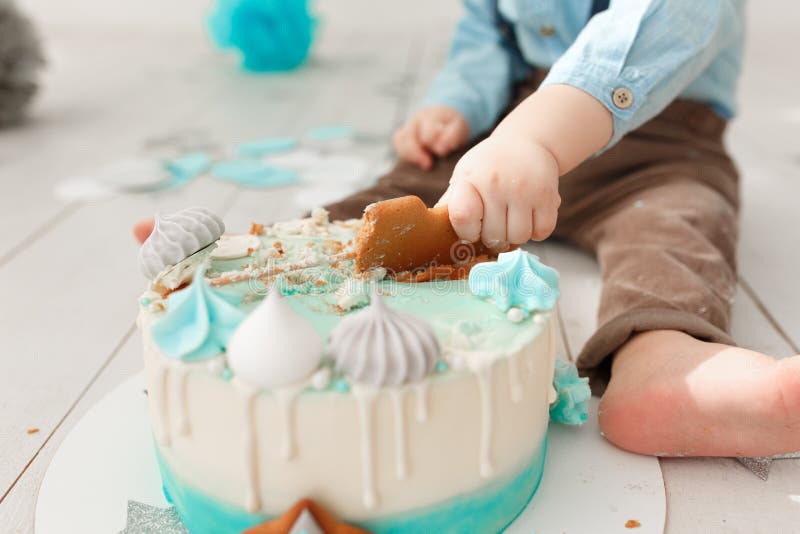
[649,49]
[505,190]
[469,92]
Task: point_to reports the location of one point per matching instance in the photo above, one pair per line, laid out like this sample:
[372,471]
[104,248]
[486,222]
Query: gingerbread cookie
[402,234]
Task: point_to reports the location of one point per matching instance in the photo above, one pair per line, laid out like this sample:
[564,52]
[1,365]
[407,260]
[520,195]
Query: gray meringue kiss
[177,236]
[379,346]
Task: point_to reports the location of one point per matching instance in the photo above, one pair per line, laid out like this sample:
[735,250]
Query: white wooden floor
[133,79]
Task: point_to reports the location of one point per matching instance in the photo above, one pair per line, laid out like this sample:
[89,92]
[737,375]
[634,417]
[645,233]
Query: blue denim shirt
[657,50]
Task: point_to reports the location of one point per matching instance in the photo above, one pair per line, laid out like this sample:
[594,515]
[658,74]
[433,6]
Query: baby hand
[435,130]
[504,191]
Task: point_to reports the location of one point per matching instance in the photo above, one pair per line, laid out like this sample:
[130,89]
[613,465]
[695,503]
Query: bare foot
[143,229]
[673,395]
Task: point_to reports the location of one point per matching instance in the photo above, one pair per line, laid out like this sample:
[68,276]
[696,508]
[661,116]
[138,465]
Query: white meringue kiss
[274,346]
[177,236]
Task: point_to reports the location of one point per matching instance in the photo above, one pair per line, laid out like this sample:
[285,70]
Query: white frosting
[177,236]
[422,401]
[398,399]
[231,247]
[470,415]
[379,346]
[274,346]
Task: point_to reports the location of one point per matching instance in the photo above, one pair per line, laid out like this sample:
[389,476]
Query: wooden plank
[763,140]
[79,127]
[769,233]
[17,510]
[72,297]
[718,495]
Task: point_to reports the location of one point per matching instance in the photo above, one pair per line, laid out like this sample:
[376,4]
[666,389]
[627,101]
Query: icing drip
[529,360]
[163,435]
[422,401]
[515,385]
[364,399]
[286,398]
[484,377]
[253,496]
[401,468]
[182,377]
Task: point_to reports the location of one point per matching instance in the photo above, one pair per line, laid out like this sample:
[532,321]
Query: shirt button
[547,31]
[622,97]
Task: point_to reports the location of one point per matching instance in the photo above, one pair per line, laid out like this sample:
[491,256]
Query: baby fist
[504,191]
[432,131]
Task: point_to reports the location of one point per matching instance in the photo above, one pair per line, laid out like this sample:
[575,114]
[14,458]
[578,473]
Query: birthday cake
[329,361]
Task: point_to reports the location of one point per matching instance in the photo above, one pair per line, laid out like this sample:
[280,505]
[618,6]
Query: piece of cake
[279,371]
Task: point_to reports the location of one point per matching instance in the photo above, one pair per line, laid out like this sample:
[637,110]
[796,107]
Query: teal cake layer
[483,511]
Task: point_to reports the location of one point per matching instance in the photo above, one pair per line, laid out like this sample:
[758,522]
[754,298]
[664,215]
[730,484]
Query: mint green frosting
[516,279]
[458,318]
[573,392]
[199,321]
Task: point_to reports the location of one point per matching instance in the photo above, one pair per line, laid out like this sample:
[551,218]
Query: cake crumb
[256,229]
[32,431]
[632,523]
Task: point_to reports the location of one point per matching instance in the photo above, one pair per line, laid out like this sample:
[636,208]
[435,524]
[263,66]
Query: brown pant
[658,209]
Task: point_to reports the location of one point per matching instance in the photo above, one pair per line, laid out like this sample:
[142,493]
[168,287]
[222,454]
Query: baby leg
[678,385]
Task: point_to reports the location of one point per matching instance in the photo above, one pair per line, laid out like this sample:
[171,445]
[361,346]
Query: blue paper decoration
[270,145]
[187,167]
[253,173]
[573,392]
[330,133]
[272,35]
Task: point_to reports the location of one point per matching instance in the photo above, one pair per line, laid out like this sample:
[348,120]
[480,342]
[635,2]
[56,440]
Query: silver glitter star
[146,519]
[760,466]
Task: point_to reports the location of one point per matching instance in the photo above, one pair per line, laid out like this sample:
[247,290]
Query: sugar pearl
[216,366]
[321,379]
[515,315]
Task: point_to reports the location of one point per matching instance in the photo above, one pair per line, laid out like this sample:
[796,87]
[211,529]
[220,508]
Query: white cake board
[589,486]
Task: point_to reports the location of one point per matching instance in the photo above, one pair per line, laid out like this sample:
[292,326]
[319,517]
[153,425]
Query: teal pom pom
[573,392]
[272,35]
